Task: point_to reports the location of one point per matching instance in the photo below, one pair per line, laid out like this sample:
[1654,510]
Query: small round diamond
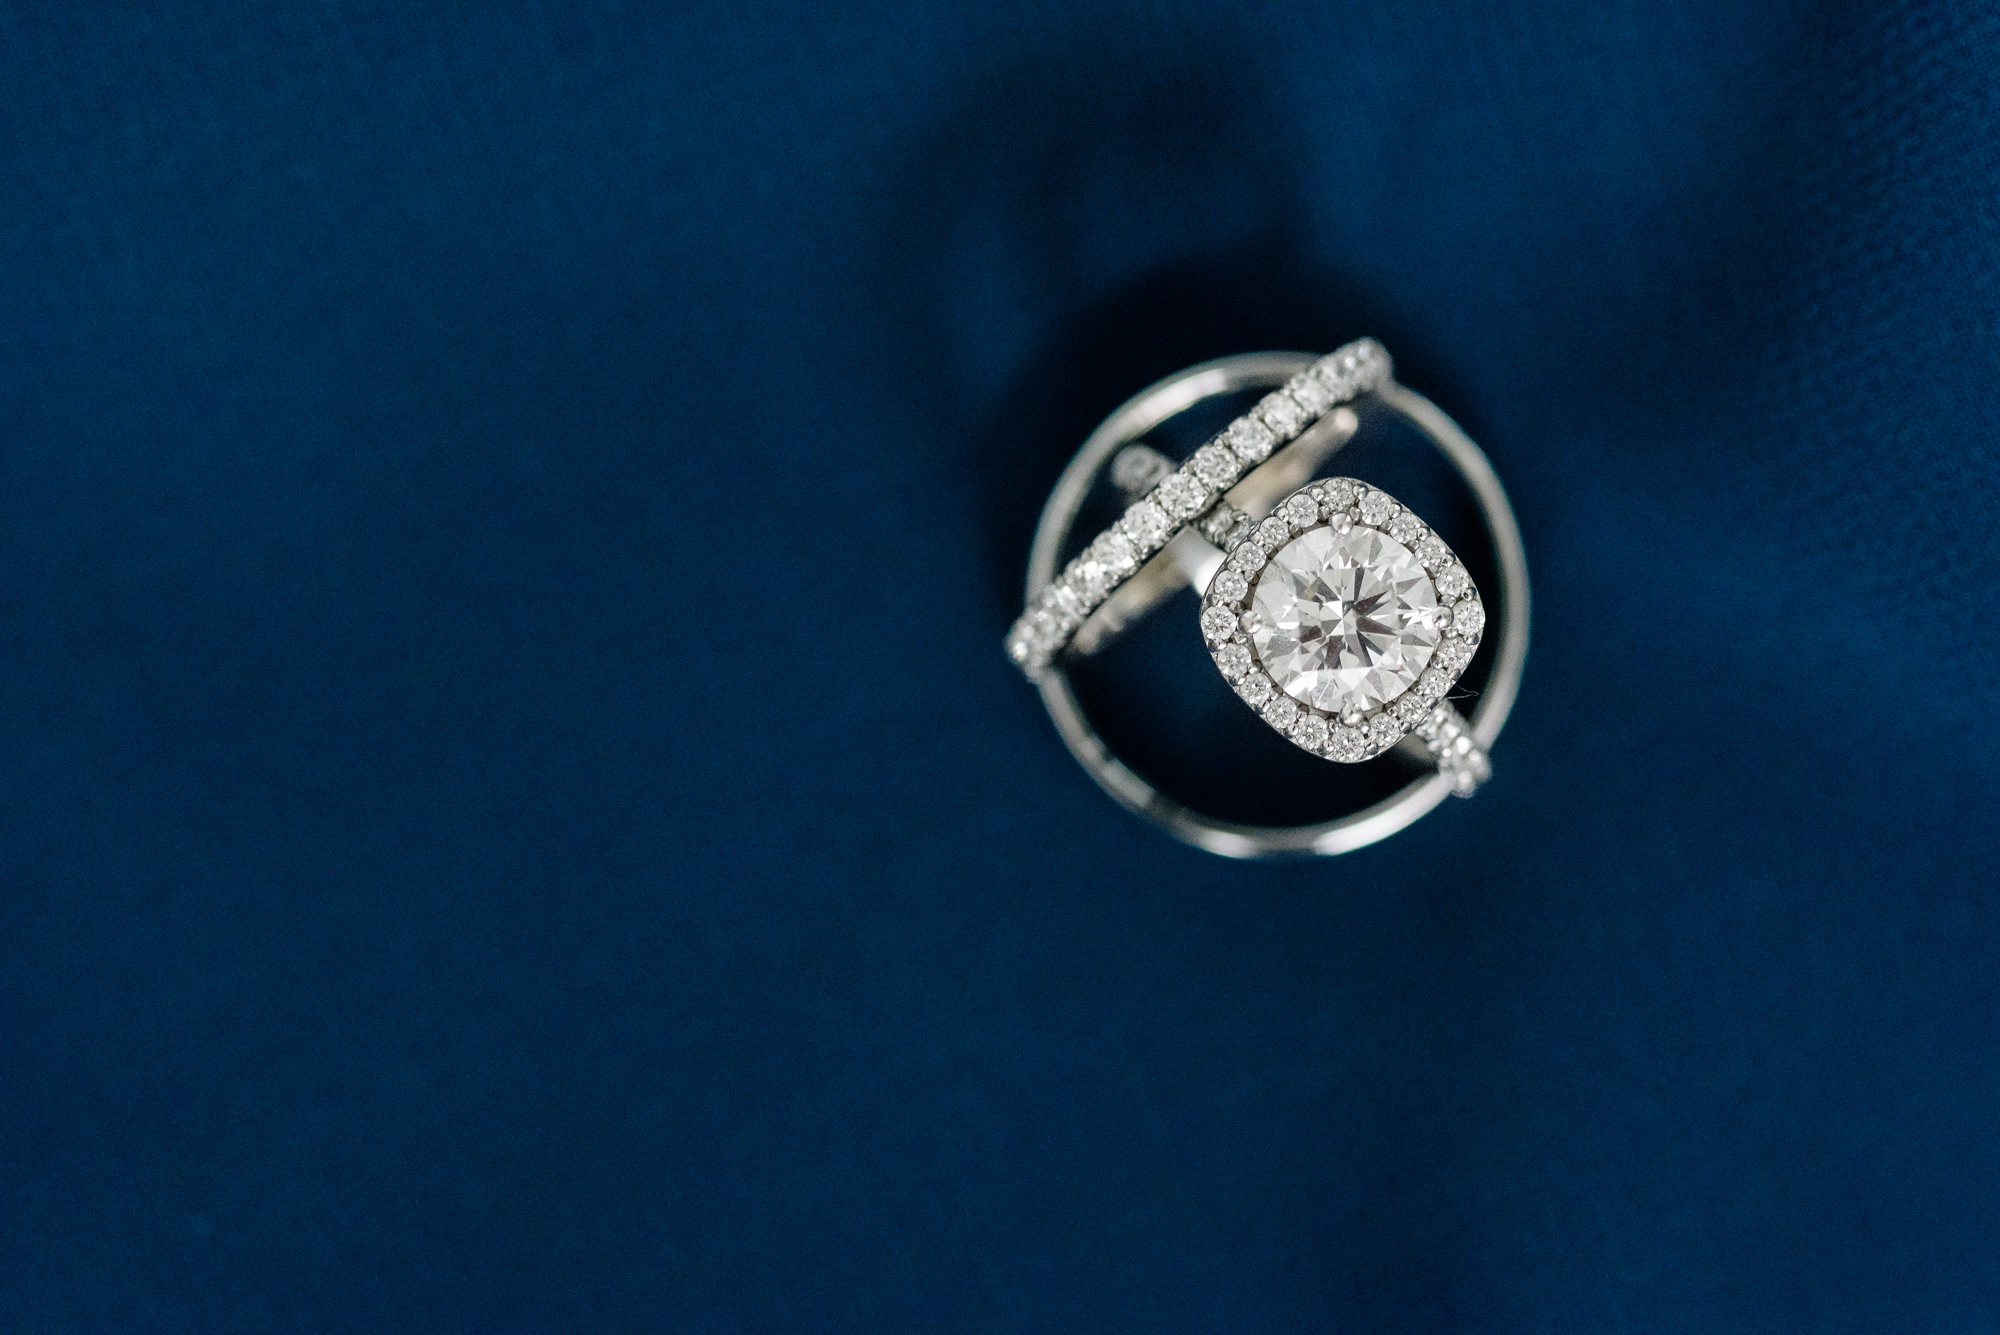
[1408,710]
[1452,656]
[1309,731]
[1251,440]
[1383,732]
[1453,581]
[1182,495]
[1347,744]
[1068,598]
[1218,623]
[1431,686]
[1406,528]
[1282,414]
[1230,586]
[1273,533]
[1302,511]
[1114,552]
[1344,621]
[1339,495]
[1233,659]
[1255,688]
[1336,372]
[1307,391]
[1468,618]
[1247,557]
[1281,712]
[1215,465]
[1376,507]
[1146,525]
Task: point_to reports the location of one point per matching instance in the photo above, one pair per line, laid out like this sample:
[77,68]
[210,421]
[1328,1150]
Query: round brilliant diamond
[1282,414]
[1251,440]
[1301,511]
[1230,586]
[1215,465]
[1344,622]
[1307,391]
[1309,731]
[1468,618]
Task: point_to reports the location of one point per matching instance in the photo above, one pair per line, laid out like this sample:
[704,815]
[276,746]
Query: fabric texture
[485,845]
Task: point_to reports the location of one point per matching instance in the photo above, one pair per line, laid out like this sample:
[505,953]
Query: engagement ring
[1331,609]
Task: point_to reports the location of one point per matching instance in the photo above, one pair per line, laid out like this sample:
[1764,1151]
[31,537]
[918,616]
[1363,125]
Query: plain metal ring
[1141,414]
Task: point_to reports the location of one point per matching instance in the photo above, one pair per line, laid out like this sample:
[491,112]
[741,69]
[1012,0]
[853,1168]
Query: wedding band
[1329,607]
[1186,496]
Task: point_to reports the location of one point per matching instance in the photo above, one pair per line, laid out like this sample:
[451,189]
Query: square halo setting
[1342,619]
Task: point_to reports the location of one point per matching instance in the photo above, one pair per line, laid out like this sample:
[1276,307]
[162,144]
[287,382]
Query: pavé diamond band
[1187,494]
[1330,608]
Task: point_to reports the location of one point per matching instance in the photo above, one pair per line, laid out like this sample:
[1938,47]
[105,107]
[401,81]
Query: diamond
[1431,686]
[1376,507]
[1230,586]
[1088,577]
[1256,688]
[1272,533]
[1302,511]
[1453,581]
[1146,525]
[1433,553]
[1336,372]
[1339,495]
[1068,598]
[1309,731]
[1452,656]
[1406,528]
[1408,711]
[1114,552]
[1307,391]
[1348,744]
[1251,440]
[1384,732]
[1282,414]
[1469,618]
[1218,623]
[1344,621]
[1281,712]
[1233,659]
[1215,465]
[1182,495]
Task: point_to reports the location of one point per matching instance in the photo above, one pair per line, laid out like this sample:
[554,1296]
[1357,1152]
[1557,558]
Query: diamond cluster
[1188,494]
[1344,621]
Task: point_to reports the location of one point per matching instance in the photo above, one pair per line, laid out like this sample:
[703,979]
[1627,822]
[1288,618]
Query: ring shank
[1141,414]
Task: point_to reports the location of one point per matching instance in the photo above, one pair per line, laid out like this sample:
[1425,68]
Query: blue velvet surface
[479,853]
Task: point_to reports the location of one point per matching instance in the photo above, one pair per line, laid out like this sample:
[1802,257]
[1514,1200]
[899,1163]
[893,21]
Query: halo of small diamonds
[1344,507]
[1188,495]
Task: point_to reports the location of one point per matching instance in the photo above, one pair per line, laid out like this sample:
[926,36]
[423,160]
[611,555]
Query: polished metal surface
[1190,558]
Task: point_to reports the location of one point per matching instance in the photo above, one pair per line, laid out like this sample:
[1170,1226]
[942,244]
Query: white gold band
[1060,609]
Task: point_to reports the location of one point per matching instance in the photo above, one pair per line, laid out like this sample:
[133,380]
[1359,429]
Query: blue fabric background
[480,853]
